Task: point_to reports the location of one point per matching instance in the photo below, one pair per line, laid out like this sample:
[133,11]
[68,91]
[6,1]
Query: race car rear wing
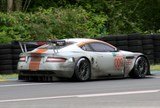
[53,43]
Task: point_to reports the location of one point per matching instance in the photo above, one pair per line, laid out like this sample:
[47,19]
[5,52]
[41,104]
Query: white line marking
[40,98]
[81,96]
[119,93]
[17,85]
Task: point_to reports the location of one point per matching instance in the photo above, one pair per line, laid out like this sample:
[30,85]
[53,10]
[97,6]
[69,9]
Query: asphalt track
[113,93]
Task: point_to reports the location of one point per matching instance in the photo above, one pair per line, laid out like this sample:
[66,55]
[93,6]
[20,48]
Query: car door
[108,58]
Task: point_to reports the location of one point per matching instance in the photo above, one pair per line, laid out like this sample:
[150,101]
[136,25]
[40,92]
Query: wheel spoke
[83,70]
[141,68]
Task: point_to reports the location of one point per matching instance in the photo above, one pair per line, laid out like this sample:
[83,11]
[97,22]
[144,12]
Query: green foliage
[3,5]
[123,17]
[52,23]
[4,38]
[51,19]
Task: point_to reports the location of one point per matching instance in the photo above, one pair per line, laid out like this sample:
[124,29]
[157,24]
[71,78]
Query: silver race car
[80,59]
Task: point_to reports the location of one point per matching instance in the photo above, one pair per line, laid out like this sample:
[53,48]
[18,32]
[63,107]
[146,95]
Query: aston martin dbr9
[81,60]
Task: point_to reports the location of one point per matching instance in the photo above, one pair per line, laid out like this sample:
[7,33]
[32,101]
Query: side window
[87,48]
[101,47]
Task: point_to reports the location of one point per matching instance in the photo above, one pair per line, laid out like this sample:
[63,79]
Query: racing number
[118,62]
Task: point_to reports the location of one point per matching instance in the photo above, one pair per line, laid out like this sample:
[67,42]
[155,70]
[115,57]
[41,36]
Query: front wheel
[141,68]
[82,70]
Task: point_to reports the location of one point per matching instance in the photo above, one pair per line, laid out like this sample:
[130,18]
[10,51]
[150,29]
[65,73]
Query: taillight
[55,59]
[22,59]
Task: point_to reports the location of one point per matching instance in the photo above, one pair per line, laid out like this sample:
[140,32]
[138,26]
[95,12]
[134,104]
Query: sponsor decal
[118,62]
[127,64]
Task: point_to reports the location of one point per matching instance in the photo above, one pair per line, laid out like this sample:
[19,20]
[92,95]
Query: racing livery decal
[36,59]
[118,62]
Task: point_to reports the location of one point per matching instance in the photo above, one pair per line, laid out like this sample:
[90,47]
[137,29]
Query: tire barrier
[16,50]
[148,47]
[147,44]
[5,59]
[135,43]
[110,39]
[156,39]
[122,42]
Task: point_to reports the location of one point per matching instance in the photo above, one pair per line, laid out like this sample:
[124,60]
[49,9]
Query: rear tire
[141,68]
[82,70]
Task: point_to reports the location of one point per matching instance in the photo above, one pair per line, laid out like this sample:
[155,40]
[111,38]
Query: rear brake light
[55,59]
[22,59]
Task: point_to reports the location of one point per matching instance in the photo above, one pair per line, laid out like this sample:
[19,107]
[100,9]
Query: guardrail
[147,44]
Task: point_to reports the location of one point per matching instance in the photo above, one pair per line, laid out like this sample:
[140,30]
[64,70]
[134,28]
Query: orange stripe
[92,40]
[35,61]
[41,50]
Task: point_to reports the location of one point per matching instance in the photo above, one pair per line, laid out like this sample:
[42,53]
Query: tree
[14,5]
[18,5]
[9,5]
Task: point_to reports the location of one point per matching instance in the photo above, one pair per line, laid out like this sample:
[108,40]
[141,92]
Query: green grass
[9,76]
[155,67]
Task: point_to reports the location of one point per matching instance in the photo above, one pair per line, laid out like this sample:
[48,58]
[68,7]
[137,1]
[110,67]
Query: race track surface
[113,93]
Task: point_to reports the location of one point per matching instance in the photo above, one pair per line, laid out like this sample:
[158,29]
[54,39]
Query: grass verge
[8,77]
[155,67]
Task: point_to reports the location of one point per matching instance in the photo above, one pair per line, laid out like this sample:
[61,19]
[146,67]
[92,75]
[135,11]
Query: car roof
[83,41]
[78,40]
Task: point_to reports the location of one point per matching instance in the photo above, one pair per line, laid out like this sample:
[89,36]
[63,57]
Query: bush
[52,23]
[4,38]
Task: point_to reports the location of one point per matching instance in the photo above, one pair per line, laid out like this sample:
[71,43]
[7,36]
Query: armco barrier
[147,44]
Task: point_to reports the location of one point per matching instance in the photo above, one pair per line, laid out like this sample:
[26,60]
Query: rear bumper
[47,69]
[60,74]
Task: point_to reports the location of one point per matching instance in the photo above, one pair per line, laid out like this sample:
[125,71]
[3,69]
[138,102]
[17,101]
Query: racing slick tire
[141,68]
[82,70]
